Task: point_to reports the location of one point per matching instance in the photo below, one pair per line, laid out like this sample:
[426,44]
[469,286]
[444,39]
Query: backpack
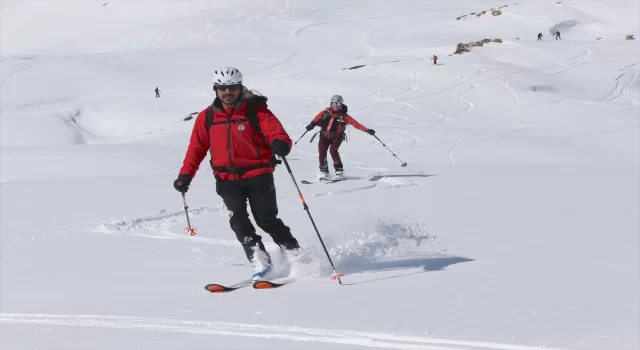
[340,120]
[252,115]
[252,118]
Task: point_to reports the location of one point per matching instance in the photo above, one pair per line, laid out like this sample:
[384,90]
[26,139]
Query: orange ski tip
[263,285]
[215,288]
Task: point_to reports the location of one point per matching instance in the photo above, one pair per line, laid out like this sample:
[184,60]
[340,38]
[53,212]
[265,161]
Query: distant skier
[435,59]
[157,92]
[558,35]
[333,121]
[539,36]
[243,162]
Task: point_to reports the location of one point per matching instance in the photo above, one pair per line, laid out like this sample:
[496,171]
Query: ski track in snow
[460,96]
[365,37]
[412,87]
[566,65]
[504,137]
[293,333]
[157,226]
[384,183]
[23,68]
[417,94]
[621,92]
[162,225]
[516,102]
[350,190]
[281,62]
[154,222]
[516,98]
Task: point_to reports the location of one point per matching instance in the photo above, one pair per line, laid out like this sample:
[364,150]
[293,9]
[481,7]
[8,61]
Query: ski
[333,180]
[328,181]
[267,284]
[219,288]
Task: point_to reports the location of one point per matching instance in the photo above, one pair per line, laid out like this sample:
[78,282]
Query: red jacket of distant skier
[333,122]
[238,151]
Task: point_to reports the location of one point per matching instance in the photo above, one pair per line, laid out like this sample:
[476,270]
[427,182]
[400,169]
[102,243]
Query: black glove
[182,182]
[310,126]
[371,132]
[280,147]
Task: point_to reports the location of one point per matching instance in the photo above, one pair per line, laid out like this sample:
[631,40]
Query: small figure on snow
[539,37]
[333,122]
[243,162]
[157,92]
[558,35]
[435,59]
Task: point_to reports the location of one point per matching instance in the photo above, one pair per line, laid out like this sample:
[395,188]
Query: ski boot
[292,260]
[261,262]
[259,276]
[324,173]
[339,171]
[290,254]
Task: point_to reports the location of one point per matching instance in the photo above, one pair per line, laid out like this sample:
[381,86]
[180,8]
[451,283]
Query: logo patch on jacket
[240,127]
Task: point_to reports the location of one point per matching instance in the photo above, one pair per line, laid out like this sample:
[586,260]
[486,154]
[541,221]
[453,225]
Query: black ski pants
[260,191]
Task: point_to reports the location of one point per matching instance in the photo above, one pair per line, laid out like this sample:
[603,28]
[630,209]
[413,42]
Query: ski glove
[182,182]
[310,126]
[280,147]
[371,132]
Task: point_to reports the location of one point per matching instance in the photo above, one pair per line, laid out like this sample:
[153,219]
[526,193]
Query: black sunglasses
[232,88]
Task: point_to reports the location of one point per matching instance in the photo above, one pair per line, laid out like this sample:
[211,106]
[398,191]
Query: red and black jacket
[332,124]
[238,151]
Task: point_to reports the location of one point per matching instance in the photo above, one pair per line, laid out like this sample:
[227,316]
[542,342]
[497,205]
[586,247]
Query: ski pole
[402,163]
[300,138]
[188,229]
[336,274]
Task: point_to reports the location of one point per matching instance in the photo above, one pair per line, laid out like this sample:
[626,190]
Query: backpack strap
[208,119]
[252,115]
[252,118]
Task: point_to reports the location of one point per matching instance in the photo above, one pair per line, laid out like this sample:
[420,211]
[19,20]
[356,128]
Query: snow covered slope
[513,227]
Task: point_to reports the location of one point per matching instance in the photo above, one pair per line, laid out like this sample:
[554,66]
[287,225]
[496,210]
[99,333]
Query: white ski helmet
[227,76]
[337,99]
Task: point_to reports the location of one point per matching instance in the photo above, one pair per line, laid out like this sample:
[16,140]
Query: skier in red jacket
[242,159]
[332,122]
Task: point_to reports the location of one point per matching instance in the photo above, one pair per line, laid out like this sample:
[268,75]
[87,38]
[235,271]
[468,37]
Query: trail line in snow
[520,126]
[294,333]
[460,96]
[622,91]
[516,98]
[564,66]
